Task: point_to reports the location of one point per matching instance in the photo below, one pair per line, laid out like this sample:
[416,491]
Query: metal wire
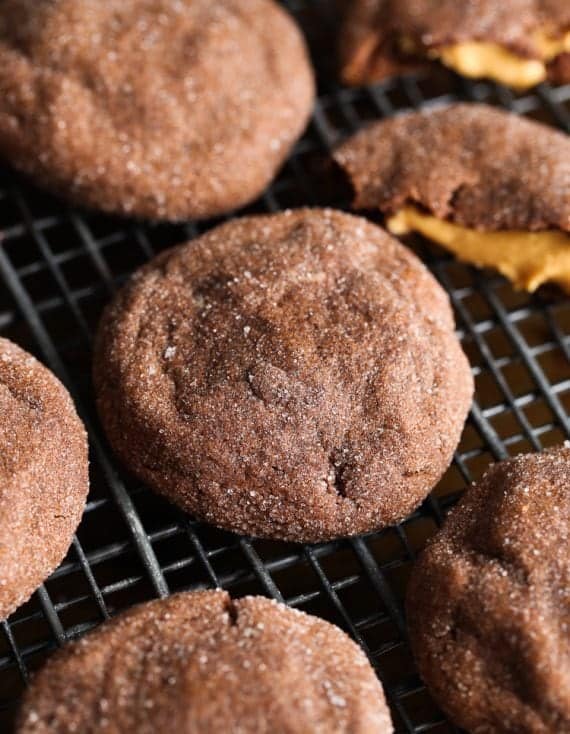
[59,266]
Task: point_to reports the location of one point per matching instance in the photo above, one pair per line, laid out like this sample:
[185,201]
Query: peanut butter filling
[528,259]
[481,59]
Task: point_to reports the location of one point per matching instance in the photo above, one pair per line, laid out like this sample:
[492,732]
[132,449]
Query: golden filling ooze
[481,59]
[528,259]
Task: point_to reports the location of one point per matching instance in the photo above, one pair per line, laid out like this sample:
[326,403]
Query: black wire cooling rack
[59,266]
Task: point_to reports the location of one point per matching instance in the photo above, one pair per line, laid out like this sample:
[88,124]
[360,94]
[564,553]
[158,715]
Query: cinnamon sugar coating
[167,109]
[370,39]
[293,376]
[472,164]
[43,474]
[200,662]
[489,601]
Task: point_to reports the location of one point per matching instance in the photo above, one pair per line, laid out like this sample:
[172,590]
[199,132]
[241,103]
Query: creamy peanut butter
[481,59]
[528,259]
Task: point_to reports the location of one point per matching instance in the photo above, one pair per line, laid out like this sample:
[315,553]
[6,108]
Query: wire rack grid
[58,268]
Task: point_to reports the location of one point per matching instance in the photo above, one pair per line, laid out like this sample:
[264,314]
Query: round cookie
[164,109]
[480,171]
[529,39]
[489,602]
[43,474]
[200,662]
[293,376]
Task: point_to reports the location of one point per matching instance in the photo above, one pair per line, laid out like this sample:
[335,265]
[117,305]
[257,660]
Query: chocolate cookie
[489,601]
[291,376]
[487,185]
[43,474]
[164,109]
[200,662]
[519,43]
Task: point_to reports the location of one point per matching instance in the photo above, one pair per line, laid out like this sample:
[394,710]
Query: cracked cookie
[293,376]
[200,662]
[489,601]
[488,186]
[519,43]
[43,474]
[170,109]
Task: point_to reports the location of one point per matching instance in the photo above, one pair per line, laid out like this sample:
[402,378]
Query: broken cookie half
[520,43]
[488,186]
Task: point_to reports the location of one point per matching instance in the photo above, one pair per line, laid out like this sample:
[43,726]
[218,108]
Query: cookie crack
[252,389]
[232,611]
[454,198]
[28,400]
[336,478]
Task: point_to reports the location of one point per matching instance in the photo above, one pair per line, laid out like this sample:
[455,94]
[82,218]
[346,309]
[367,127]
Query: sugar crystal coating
[471,164]
[157,108]
[489,601]
[371,45]
[43,474]
[292,376]
[200,662]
